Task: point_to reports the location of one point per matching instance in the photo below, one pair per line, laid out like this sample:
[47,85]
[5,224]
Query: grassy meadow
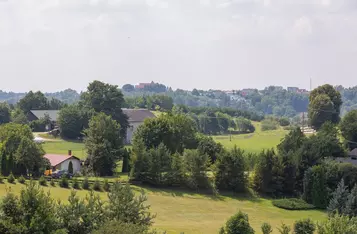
[192,213]
[254,142]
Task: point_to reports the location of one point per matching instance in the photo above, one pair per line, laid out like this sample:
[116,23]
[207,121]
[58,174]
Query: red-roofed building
[142,85]
[61,162]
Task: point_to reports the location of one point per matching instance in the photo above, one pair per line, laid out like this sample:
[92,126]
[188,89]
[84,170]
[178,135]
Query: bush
[292,204]
[21,180]
[52,183]
[1,179]
[238,224]
[85,183]
[63,183]
[11,179]
[75,184]
[269,124]
[118,227]
[97,186]
[284,229]
[305,226]
[266,228]
[106,185]
[42,181]
[284,122]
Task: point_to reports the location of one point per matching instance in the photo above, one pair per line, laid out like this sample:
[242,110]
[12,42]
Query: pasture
[253,142]
[178,211]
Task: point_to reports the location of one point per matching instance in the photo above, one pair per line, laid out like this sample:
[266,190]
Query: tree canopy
[103,143]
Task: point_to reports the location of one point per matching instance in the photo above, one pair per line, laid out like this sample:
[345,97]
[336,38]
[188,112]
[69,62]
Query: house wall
[64,165]
[131,130]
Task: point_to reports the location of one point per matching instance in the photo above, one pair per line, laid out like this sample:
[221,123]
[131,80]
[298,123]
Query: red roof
[56,159]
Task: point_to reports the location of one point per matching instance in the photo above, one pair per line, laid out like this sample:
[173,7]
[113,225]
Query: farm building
[61,162]
[136,117]
[38,114]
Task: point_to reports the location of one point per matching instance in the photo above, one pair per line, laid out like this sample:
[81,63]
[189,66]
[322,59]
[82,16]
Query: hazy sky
[221,44]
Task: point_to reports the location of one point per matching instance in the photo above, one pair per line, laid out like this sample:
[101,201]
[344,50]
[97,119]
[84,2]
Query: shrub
[338,224]
[52,183]
[1,179]
[97,186]
[305,226]
[118,227]
[11,179]
[284,122]
[292,204]
[42,181]
[284,229]
[238,224]
[269,124]
[75,184]
[266,228]
[106,185]
[85,183]
[221,231]
[63,183]
[21,180]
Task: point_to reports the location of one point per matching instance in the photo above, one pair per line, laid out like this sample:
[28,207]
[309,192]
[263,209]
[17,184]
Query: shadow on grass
[184,192]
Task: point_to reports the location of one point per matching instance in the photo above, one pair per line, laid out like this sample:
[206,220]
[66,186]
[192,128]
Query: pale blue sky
[221,44]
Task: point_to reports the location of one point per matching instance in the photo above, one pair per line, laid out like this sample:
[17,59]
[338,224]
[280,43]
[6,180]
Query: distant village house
[61,162]
[38,114]
[136,117]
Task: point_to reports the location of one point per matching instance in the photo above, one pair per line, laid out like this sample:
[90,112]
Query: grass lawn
[254,142]
[62,147]
[191,213]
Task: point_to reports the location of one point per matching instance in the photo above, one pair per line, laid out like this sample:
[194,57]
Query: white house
[61,162]
[136,117]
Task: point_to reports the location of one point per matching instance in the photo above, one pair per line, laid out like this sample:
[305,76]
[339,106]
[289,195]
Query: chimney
[70,152]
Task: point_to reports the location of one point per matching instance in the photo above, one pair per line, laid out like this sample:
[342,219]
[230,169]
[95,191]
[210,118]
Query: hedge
[292,204]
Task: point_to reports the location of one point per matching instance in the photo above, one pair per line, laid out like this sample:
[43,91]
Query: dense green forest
[273,100]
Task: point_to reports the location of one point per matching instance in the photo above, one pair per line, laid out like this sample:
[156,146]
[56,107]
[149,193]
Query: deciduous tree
[103,143]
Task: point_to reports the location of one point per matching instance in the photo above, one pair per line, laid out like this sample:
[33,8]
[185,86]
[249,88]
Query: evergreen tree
[125,167]
[230,171]
[339,198]
[239,224]
[70,167]
[4,165]
[351,203]
[319,187]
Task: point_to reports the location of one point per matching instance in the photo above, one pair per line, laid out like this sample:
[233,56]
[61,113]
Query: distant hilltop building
[293,89]
[142,85]
[296,90]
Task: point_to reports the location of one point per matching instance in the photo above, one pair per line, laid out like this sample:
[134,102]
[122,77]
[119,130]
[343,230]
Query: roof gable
[41,114]
[56,159]
[353,152]
[138,115]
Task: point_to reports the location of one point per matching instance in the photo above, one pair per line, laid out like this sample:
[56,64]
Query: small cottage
[62,162]
[136,117]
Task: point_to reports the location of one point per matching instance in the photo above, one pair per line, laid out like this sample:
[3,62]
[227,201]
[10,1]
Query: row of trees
[336,224]
[34,211]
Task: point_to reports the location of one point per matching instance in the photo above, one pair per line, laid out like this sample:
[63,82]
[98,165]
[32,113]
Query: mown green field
[62,147]
[254,142]
[191,213]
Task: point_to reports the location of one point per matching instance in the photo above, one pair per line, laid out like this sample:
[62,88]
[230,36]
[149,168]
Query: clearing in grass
[253,142]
